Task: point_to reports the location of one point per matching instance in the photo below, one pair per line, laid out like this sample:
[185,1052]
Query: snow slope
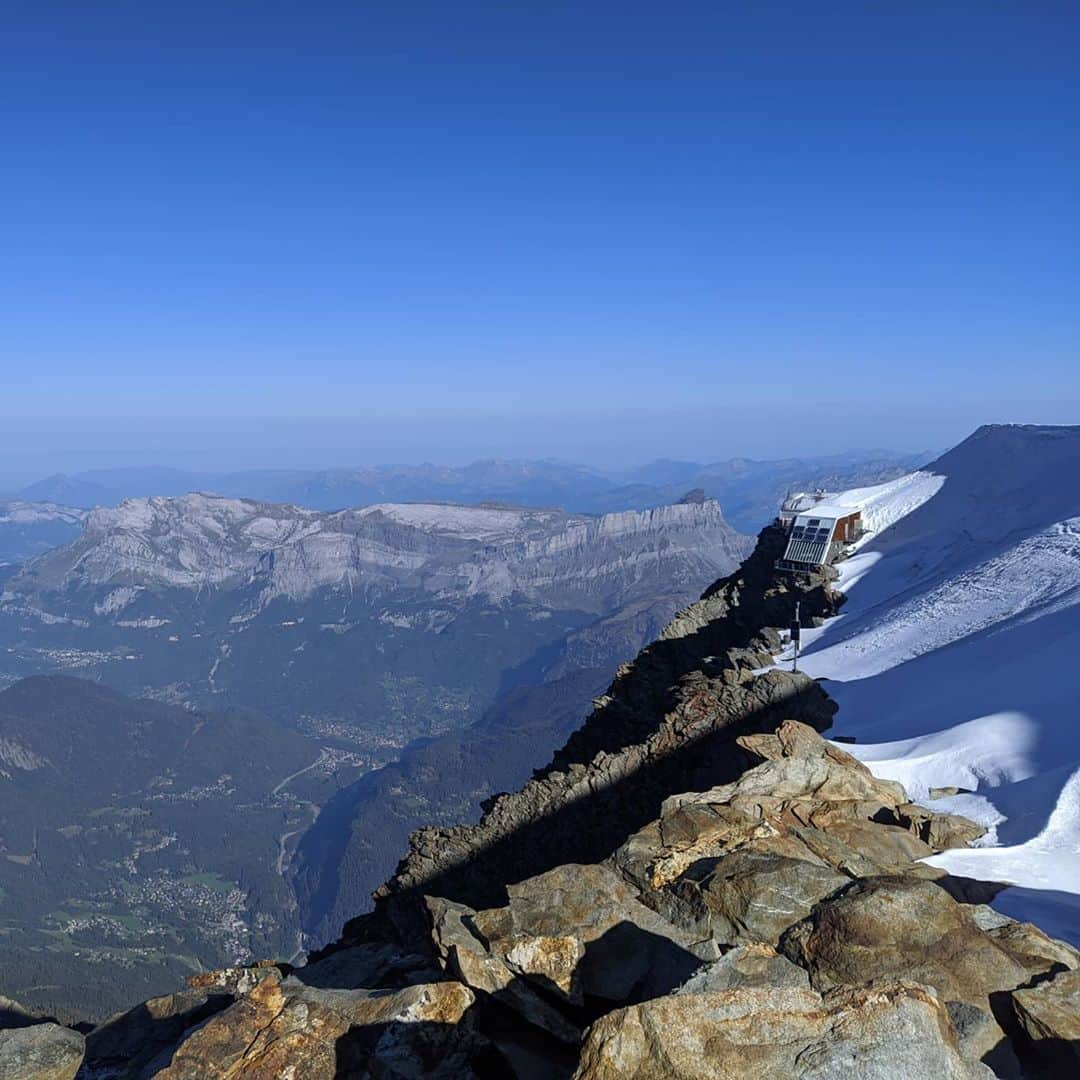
[956,661]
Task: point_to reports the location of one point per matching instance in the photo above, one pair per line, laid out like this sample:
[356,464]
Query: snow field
[955,664]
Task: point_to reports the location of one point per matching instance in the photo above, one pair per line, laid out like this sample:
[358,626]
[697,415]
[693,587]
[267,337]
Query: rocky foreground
[700,885]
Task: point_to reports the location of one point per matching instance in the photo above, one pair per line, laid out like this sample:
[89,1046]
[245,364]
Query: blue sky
[252,233]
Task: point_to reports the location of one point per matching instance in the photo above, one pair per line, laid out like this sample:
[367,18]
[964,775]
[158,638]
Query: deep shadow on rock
[139,1035]
[667,724]
[503,1048]
[590,827]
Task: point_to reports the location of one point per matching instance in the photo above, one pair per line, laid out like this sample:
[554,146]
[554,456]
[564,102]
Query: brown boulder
[136,1036]
[940,831]
[901,927]
[804,783]
[467,958]
[795,739]
[236,1042]
[691,831]
[1035,951]
[853,847]
[580,931]
[277,1032]
[420,1031]
[235,980]
[885,845]
[814,779]
[747,896]
[882,1033]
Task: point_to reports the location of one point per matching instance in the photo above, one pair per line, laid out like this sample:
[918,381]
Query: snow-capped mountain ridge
[954,659]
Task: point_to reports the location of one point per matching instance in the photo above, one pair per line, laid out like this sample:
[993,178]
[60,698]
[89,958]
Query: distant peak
[1012,447]
[1044,431]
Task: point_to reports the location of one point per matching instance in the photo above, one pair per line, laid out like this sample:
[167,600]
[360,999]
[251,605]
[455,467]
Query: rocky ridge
[378,625]
[202,541]
[778,925]
[667,723]
[699,885]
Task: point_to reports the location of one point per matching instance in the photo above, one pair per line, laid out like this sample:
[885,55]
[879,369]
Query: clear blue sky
[320,233]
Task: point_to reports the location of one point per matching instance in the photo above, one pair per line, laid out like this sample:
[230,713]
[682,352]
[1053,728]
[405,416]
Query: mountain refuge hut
[819,533]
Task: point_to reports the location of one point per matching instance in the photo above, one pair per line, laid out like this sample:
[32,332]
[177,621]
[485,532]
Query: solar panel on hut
[818,535]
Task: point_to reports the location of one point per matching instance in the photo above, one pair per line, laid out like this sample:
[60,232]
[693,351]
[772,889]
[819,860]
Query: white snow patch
[884,504]
[990,751]
[1039,575]
[465,522]
[1047,862]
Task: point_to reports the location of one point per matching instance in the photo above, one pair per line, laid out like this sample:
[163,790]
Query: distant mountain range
[747,489]
[375,625]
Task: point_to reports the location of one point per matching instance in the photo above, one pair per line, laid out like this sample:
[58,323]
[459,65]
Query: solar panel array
[807,533]
[807,551]
[809,542]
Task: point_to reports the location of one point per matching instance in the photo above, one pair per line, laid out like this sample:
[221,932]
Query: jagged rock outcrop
[895,1030]
[280,1027]
[667,724]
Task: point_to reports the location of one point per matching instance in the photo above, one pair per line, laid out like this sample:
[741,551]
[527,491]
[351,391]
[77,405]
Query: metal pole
[796,636]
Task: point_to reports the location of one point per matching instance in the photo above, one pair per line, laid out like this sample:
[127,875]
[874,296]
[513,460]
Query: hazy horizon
[22,467]
[289,443]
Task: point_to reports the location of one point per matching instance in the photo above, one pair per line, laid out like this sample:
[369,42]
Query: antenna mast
[796,628]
